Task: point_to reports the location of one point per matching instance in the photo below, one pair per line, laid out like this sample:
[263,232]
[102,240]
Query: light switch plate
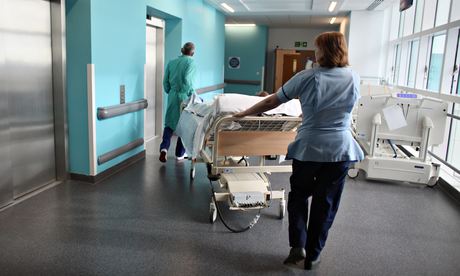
[122,94]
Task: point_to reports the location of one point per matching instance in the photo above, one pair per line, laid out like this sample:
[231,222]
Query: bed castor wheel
[353,173]
[192,173]
[432,182]
[212,211]
[282,210]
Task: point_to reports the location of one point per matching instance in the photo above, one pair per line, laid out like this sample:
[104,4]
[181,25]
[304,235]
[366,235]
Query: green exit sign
[299,44]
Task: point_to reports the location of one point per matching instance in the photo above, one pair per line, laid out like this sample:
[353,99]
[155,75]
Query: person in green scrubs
[178,84]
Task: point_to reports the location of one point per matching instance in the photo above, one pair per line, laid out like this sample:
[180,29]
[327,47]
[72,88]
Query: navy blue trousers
[167,134]
[324,182]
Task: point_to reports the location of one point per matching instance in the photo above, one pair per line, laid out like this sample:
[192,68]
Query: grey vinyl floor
[152,220]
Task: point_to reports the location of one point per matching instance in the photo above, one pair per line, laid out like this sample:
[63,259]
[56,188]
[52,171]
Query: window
[418,15]
[412,68]
[456,70]
[442,12]
[401,24]
[458,81]
[453,155]
[396,64]
[436,60]
[409,21]
[429,13]
[395,14]
[455,11]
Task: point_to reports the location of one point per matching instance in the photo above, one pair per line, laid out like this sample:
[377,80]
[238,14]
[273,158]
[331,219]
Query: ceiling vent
[374,5]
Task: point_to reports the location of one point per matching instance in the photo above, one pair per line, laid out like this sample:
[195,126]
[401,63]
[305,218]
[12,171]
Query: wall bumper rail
[119,151]
[248,82]
[210,88]
[120,109]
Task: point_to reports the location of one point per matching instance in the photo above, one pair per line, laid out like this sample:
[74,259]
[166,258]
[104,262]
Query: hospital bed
[395,130]
[227,145]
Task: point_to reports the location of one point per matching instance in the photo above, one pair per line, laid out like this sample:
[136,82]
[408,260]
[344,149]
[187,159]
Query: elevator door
[26,95]
[151,66]
[154,78]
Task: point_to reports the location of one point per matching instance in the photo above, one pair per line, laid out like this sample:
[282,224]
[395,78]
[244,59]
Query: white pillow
[233,103]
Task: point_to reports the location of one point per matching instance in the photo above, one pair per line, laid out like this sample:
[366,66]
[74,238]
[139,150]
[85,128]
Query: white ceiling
[291,13]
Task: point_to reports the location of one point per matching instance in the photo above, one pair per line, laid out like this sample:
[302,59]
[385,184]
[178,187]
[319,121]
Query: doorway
[289,62]
[153,91]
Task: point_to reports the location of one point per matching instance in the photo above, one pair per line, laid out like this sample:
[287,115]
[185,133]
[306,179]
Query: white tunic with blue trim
[327,97]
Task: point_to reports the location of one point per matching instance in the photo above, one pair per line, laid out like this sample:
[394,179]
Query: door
[292,64]
[150,81]
[279,61]
[154,78]
[26,93]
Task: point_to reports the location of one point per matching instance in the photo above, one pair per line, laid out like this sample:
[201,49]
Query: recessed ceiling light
[332,6]
[333,20]
[240,25]
[227,7]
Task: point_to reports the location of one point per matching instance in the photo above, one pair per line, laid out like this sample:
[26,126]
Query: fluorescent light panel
[227,7]
[333,20]
[240,25]
[332,6]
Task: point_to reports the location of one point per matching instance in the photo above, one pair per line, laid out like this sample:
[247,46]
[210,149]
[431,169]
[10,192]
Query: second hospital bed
[224,143]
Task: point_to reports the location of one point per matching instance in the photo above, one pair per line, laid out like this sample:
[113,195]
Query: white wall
[284,38]
[367,43]
[345,28]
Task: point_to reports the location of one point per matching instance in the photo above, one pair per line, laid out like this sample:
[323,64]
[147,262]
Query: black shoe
[310,264]
[163,156]
[296,255]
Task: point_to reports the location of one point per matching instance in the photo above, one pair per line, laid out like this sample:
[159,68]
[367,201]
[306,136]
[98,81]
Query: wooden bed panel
[254,143]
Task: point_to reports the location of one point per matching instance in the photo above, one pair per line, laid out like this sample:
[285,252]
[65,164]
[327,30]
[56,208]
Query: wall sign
[234,62]
[299,44]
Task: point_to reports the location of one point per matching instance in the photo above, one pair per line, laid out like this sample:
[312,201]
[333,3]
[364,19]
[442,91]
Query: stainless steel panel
[6,181]
[28,65]
[58,43]
[150,81]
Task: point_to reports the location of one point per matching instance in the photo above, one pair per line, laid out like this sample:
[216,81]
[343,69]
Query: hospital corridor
[229,137]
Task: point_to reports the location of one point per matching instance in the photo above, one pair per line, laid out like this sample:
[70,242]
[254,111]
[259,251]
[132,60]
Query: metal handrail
[120,109]
[209,88]
[450,166]
[106,157]
[453,116]
[249,82]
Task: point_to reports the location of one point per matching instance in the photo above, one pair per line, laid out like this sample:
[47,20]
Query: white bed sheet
[197,116]
[233,103]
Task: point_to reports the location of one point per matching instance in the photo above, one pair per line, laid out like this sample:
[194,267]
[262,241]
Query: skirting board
[449,190]
[109,172]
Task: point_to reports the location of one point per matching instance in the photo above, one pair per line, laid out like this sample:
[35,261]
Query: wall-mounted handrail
[120,109]
[210,88]
[119,151]
[453,116]
[249,82]
[447,164]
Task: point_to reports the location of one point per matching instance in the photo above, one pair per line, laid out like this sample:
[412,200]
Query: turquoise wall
[250,44]
[111,35]
[78,21]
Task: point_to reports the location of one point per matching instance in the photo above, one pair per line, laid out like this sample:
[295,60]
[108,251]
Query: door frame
[159,24]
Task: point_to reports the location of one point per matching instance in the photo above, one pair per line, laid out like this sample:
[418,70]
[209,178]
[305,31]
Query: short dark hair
[333,49]
[188,49]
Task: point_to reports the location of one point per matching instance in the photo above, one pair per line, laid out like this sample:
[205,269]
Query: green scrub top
[178,84]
